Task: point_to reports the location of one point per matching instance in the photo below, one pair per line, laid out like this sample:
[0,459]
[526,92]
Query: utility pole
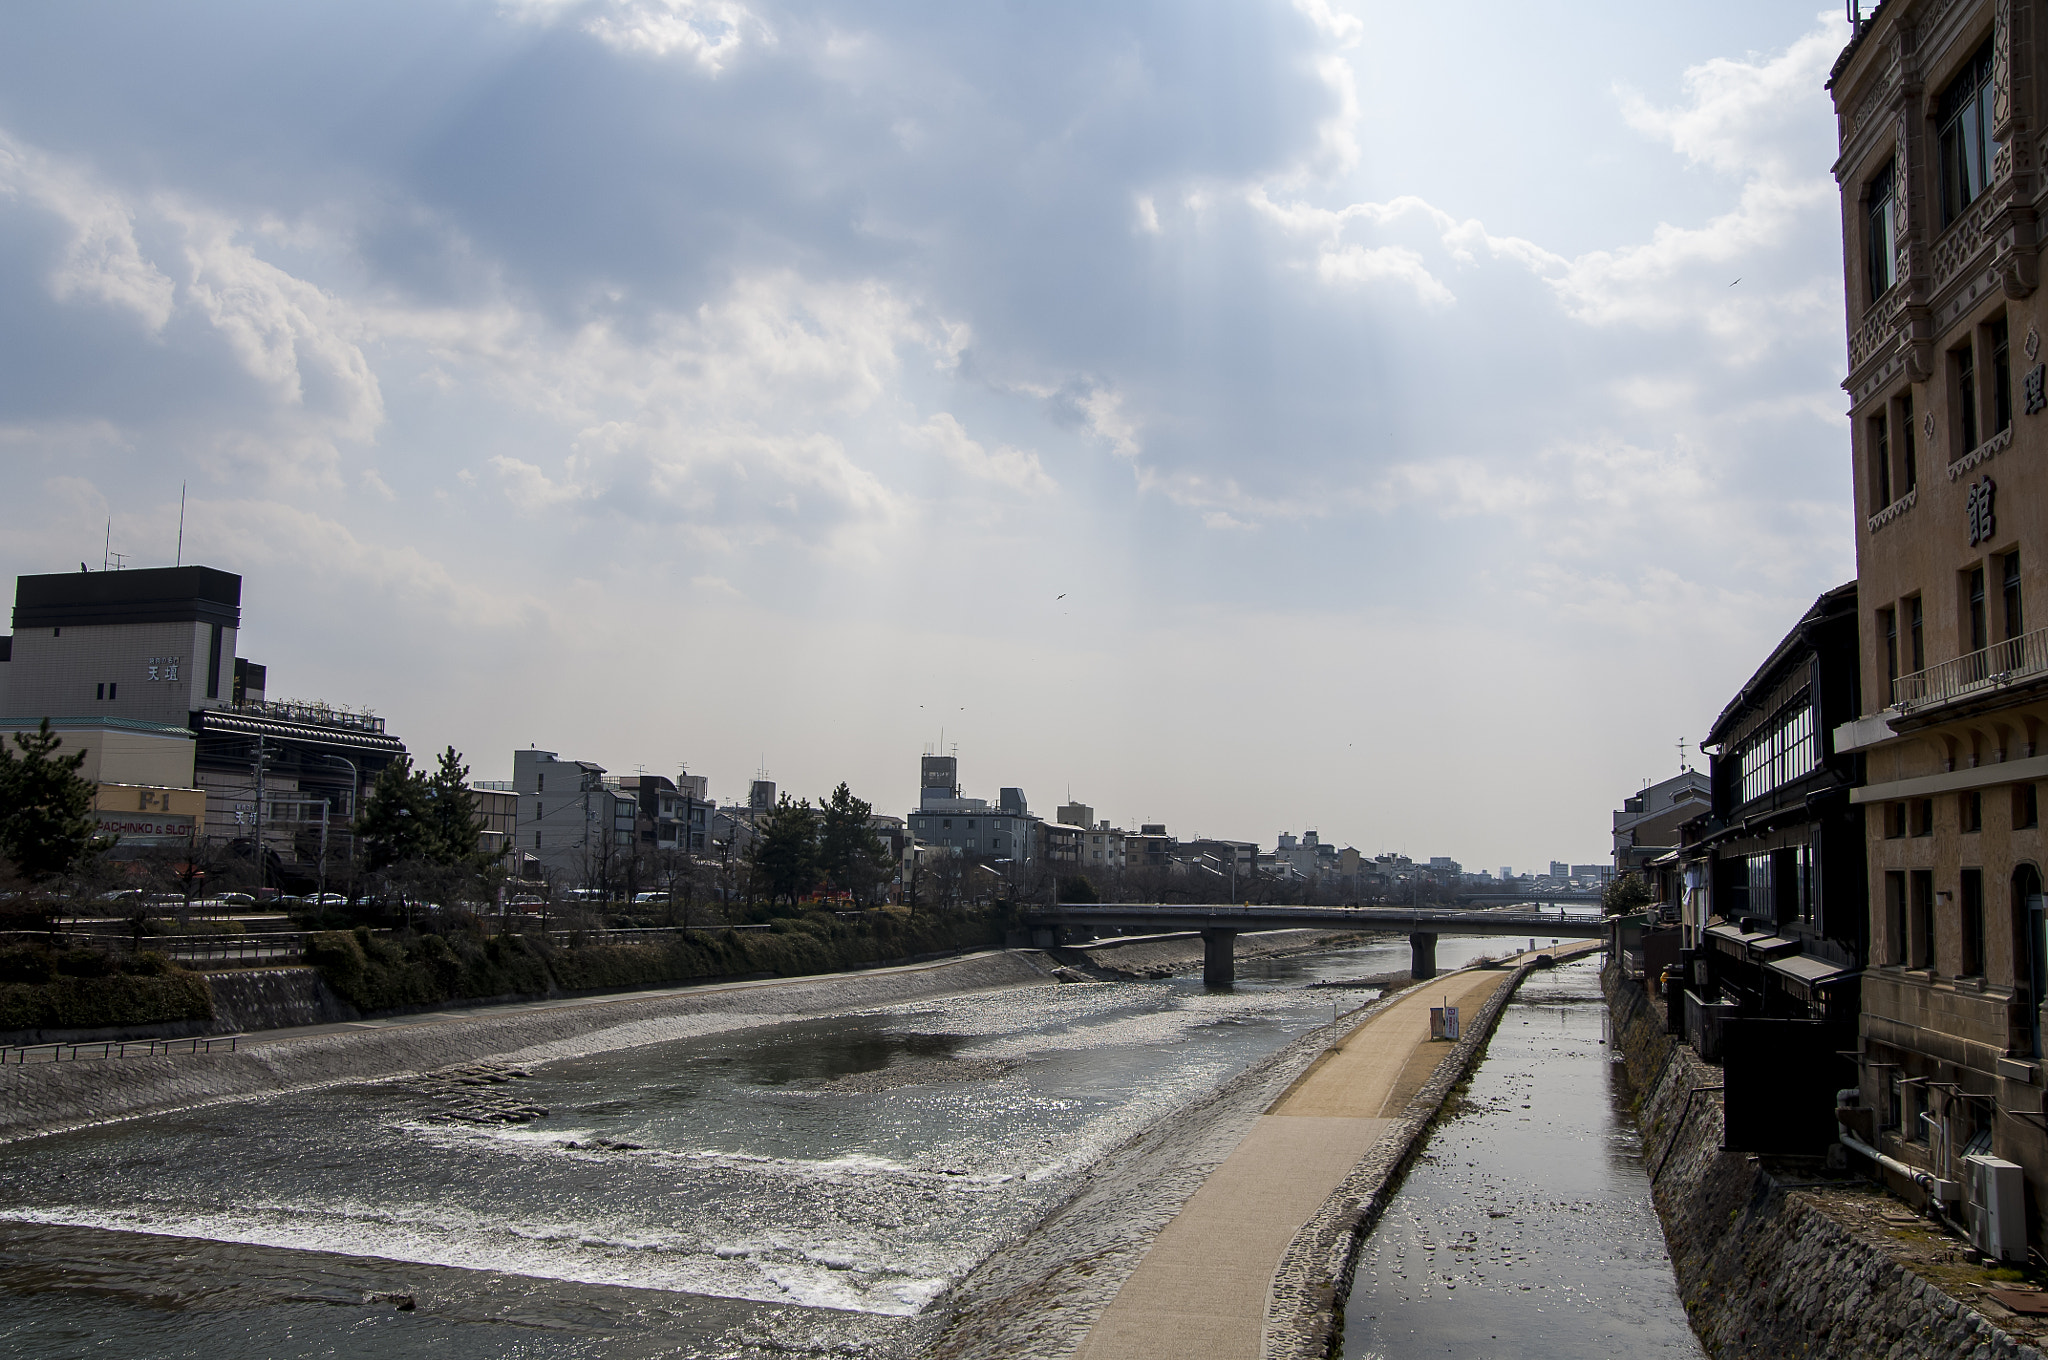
[262,865]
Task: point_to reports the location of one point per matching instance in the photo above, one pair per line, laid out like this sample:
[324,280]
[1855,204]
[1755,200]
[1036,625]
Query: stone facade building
[1942,112]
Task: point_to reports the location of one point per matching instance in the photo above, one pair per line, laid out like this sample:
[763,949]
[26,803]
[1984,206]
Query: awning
[1755,946]
[1804,972]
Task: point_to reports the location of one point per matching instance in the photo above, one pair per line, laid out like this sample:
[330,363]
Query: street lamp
[354,796]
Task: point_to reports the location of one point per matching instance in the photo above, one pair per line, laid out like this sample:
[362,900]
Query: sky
[1406,422]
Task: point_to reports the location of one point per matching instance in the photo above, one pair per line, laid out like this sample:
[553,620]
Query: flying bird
[1062,595]
[1733,284]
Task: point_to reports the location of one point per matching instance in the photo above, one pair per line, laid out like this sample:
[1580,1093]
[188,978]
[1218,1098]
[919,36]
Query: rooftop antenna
[107,552]
[1682,766]
[181,524]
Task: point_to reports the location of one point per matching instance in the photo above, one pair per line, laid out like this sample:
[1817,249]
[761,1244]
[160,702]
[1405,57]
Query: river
[792,1189]
[1525,1229]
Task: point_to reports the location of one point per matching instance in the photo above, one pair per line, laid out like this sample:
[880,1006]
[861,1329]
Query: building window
[1920,904]
[1916,649]
[1970,811]
[1888,629]
[2001,377]
[2026,807]
[1880,251]
[1962,363]
[1894,821]
[1782,750]
[1980,630]
[1964,120]
[1923,816]
[2015,618]
[1972,900]
[99,692]
[1880,464]
[536,840]
[540,783]
[1906,446]
[1895,917]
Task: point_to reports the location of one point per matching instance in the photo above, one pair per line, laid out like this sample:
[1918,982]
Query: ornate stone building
[1942,120]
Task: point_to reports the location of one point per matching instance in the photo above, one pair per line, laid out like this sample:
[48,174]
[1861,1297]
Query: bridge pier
[1044,937]
[1219,957]
[1422,955]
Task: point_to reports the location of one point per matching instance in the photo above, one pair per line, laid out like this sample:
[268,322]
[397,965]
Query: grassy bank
[44,988]
[375,974]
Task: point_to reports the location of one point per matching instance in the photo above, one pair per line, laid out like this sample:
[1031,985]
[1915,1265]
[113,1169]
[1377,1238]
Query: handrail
[1991,668]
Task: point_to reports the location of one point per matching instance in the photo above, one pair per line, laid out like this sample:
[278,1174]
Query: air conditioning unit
[1998,1215]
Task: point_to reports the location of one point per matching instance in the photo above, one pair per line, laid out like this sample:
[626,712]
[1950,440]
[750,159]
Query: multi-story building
[139,667]
[944,820]
[1102,846]
[1780,911]
[1940,110]
[577,827]
[1647,825]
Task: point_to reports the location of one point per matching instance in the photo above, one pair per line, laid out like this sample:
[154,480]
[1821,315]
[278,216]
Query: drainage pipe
[1924,1179]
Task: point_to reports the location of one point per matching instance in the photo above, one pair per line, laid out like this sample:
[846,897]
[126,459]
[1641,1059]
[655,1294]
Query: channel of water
[790,1189]
[1525,1228]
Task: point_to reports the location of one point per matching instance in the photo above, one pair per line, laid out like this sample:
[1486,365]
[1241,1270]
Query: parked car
[327,900]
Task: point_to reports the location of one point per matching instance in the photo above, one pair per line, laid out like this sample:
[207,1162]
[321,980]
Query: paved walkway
[1200,1293]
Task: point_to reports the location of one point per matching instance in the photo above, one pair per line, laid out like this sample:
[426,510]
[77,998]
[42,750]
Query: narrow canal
[1526,1228]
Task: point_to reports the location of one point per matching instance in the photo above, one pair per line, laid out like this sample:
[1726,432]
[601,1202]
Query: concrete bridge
[1220,926]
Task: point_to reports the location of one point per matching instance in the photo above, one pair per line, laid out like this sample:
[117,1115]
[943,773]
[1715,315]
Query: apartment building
[1941,111]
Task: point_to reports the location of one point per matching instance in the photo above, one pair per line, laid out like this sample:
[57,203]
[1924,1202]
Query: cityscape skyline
[665,383]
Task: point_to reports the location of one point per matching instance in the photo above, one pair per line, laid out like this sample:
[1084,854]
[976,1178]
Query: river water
[786,1189]
[1525,1229]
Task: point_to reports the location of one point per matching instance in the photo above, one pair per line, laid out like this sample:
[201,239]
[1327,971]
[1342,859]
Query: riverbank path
[1200,1292]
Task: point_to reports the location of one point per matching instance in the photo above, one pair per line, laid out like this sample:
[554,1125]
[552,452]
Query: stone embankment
[1769,1266]
[1041,1293]
[44,1097]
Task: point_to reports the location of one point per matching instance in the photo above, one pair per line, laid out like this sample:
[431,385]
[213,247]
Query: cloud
[708,32]
[1017,469]
[101,260]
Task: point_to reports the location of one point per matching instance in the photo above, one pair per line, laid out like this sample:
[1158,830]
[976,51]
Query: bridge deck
[1548,925]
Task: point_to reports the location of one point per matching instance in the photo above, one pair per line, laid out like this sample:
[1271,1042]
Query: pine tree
[46,818]
[451,808]
[397,824]
[785,849]
[849,851]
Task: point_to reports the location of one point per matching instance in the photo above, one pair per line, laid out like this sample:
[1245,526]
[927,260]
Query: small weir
[1525,1228]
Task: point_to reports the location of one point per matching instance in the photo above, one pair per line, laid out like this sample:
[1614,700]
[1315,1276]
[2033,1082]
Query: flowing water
[1525,1229]
[792,1188]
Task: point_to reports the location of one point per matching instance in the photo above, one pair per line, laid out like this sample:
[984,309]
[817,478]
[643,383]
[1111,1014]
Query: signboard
[136,828]
[1443,1023]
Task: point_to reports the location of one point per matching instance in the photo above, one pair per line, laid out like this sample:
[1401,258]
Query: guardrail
[1995,667]
[116,1048]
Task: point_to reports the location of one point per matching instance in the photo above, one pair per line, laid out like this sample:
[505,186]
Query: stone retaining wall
[253,999]
[42,1097]
[1761,1270]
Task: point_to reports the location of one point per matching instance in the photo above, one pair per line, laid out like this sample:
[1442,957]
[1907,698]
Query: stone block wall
[1762,1272]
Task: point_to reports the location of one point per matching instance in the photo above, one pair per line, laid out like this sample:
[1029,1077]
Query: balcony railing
[299,710]
[2001,664]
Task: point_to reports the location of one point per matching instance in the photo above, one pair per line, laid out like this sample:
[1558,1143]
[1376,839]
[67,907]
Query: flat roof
[144,595]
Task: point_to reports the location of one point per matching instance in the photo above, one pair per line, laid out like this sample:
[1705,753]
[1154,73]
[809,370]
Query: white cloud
[102,259]
[1147,215]
[1018,469]
[708,32]
[1398,264]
